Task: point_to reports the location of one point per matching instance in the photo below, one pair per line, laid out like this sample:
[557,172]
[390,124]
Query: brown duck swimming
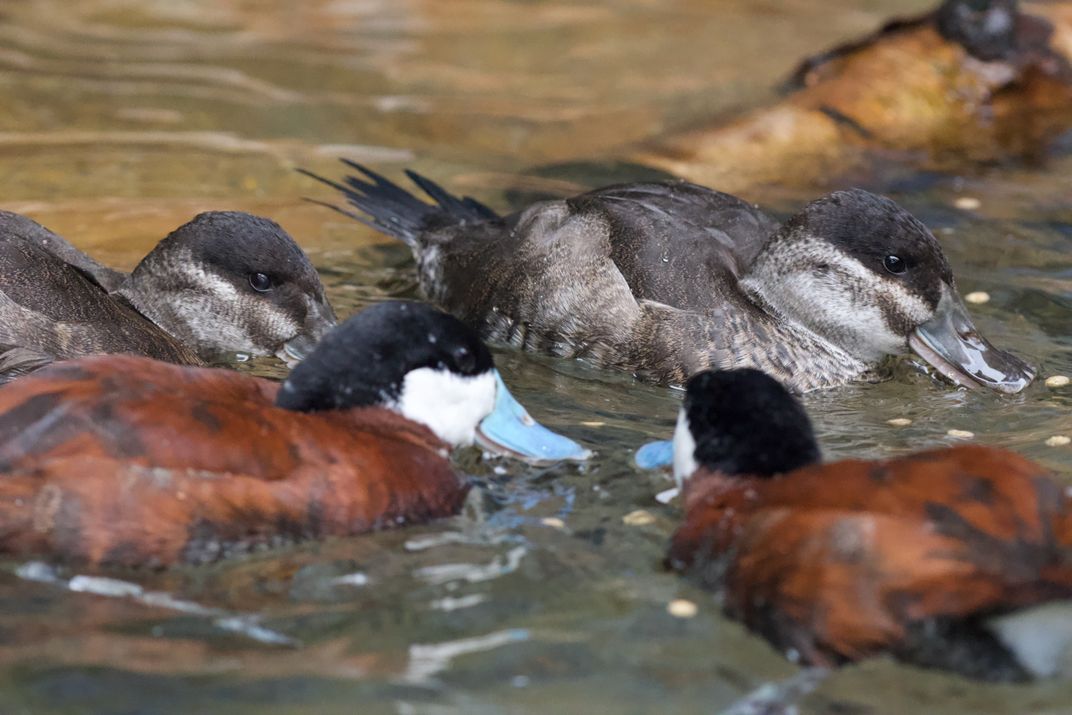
[125,461]
[957,557]
[224,282]
[666,279]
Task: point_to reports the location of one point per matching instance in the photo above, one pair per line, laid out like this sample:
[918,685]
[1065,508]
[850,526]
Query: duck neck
[802,358]
[151,293]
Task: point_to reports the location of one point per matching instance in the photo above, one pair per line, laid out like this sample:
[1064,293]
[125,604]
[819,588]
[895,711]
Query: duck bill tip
[294,351]
[655,455]
[950,343]
[510,431]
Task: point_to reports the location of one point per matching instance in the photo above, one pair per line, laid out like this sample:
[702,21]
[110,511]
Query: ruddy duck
[225,282]
[123,460]
[667,279]
[957,557]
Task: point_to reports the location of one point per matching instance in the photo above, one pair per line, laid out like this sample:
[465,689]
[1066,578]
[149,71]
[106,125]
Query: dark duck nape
[958,558]
[224,282]
[665,279]
[51,309]
[125,461]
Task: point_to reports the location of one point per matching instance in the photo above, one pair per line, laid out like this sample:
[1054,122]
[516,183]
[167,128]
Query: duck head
[429,367]
[862,273]
[985,28]
[229,281]
[741,422]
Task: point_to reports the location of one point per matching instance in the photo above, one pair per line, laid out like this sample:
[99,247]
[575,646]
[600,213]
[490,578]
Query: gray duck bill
[950,343]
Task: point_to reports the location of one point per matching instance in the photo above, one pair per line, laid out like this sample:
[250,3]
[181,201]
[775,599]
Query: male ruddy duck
[958,557]
[667,279]
[126,461]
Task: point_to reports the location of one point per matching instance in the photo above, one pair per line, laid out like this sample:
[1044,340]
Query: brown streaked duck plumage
[242,474]
[191,299]
[666,279]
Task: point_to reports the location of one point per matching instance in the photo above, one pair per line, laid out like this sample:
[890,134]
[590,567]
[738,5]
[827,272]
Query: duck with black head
[666,279]
[127,461]
[957,557]
[225,282]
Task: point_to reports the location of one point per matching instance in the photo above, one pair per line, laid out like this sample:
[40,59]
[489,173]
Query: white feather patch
[449,404]
[1040,637]
[212,313]
[845,304]
[684,450]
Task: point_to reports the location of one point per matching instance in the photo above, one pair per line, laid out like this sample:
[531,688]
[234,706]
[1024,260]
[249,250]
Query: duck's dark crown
[364,361]
[744,422]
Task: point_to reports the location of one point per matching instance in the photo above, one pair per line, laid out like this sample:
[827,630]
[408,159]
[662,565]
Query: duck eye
[260,282]
[895,264]
[464,360]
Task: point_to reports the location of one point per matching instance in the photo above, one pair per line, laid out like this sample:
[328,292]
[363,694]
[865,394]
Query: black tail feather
[467,206]
[387,207]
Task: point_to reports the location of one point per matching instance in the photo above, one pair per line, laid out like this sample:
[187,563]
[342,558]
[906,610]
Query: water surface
[122,119]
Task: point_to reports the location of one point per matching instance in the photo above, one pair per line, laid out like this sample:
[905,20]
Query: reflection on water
[122,118]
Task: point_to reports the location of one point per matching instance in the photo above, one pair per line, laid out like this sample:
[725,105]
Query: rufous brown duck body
[955,557]
[122,460]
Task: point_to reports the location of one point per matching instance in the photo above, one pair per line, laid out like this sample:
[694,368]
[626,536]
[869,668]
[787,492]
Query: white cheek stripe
[684,450]
[841,306]
[909,304]
[219,297]
[449,404]
[212,283]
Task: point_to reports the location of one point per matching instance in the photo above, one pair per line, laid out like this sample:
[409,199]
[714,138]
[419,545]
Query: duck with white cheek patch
[356,439]
[430,368]
[956,557]
[666,279]
[231,282]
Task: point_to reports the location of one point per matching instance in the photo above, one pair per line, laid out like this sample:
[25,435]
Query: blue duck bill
[655,455]
[510,429]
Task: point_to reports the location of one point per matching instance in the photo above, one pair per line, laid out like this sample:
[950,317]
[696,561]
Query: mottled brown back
[57,309]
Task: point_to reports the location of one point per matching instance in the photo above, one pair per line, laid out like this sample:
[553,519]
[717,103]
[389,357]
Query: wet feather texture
[124,461]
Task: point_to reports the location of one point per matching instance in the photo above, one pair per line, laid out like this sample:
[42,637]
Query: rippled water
[121,119]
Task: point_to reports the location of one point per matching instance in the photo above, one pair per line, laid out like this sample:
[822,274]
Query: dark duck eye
[895,264]
[260,282]
[464,360]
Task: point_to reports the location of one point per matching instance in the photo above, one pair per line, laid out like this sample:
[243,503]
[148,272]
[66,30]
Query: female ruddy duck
[957,557]
[122,460]
[667,279]
[224,282]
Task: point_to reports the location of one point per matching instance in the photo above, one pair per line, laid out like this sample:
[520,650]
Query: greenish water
[123,119]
